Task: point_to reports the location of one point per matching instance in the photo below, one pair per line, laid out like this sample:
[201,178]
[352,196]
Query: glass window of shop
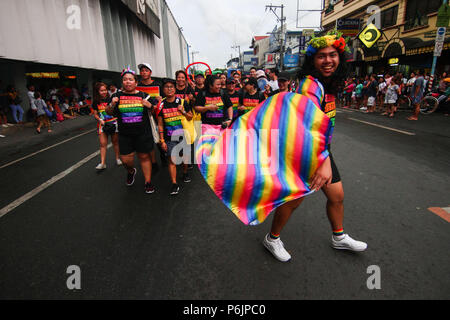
[389,17]
[417,11]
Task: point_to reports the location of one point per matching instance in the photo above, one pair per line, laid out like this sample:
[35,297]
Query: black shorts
[336,176]
[142,143]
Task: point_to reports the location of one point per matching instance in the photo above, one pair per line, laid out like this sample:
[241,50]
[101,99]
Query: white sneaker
[347,243]
[363,108]
[101,167]
[276,247]
[119,162]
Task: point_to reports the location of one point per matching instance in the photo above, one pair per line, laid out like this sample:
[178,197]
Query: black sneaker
[186,178]
[130,178]
[175,190]
[190,167]
[149,189]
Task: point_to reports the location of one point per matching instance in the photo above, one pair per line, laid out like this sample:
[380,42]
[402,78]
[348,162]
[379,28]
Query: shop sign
[349,27]
[393,61]
[370,35]
[291,60]
[45,75]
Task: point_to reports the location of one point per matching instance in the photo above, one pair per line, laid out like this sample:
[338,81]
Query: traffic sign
[438,49]
[440,34]
[370,35]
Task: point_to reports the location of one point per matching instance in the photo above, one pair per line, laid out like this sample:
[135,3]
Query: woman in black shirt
[131,109]
[216,108]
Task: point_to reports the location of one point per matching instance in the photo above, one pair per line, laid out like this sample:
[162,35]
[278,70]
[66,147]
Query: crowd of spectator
[46,107]
[383,93]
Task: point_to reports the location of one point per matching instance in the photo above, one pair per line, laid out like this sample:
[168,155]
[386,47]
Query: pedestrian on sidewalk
[170,117]
[106,126]
[348,90]
[135,135]
[41,115]
[417,94]
[325,64]
[359,95]
[392,94]
[14,102]
[372,94]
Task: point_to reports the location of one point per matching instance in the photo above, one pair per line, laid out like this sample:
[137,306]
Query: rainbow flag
[151,91]
[268,156]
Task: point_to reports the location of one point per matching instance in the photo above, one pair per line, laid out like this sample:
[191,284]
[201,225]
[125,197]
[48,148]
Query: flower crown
[332,39]
[127,70]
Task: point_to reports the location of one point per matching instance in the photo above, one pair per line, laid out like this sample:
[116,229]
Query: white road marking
[45,149]
[13,205]
[383,127]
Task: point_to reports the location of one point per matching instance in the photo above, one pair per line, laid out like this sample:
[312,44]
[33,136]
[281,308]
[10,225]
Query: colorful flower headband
[127,70]
[332,39]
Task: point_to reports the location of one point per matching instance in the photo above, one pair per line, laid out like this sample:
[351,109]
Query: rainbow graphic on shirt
[235,102]
[102,113]
[250,104]
[218,102]
[131,109]
[268,156]
[172,120]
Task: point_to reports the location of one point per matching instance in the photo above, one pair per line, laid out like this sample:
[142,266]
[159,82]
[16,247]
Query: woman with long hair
[324,68]
[106,124]
[216,107]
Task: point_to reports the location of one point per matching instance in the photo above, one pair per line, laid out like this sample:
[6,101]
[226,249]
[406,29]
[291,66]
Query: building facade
[409,32]
[260,46]
[78,42]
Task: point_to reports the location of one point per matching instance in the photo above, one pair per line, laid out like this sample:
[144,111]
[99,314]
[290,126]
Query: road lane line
[441,212]
[13,205]
[383,127]
[45,149]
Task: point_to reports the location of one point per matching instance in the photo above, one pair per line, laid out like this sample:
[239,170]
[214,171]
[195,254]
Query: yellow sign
[370,35]
[49,75]
[393,61]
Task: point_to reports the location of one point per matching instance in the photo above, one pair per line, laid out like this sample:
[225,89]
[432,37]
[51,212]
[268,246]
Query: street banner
[291,60]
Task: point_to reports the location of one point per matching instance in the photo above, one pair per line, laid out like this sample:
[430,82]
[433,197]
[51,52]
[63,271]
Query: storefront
[400,55]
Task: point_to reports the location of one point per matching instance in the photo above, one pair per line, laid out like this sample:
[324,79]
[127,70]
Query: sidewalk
[22,138]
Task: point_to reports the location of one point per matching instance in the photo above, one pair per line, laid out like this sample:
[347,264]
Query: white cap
[147,65]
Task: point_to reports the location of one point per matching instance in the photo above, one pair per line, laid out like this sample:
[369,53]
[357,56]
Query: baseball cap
[199,73]
[230,81]
[283,76]
[252,81]
[168,80]
[260,74]
[147,65]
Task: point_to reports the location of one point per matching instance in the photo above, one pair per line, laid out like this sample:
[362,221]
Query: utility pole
[193,53]
[282,20]
[238,47]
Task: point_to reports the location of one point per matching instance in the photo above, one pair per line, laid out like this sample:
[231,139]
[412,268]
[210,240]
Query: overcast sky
[212,27]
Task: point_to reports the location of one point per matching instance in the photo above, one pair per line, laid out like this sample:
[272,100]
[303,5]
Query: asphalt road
[130,245]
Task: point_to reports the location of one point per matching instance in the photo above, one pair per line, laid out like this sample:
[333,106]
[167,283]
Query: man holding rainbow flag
[278,153]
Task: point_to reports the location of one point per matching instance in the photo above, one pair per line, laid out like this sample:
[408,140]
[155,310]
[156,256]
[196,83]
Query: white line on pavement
[47,184]
[45,149]
[383,127]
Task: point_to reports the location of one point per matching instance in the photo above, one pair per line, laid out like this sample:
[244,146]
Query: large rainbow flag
[268,156]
